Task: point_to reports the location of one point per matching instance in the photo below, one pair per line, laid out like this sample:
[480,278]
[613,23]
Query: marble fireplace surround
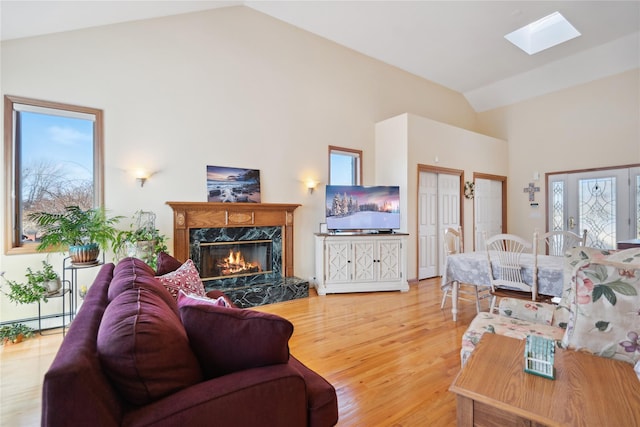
[194,222]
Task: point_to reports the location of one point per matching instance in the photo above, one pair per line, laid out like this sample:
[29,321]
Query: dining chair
[453,244]
[558,242]
[505,251]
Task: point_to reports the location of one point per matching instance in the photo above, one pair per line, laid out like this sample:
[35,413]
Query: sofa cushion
[497,324]
[574,258]
[604,314]
[626,256]
[165,263]
[531,311]
[133,273]
[185,278]
[144,348]
[227,340]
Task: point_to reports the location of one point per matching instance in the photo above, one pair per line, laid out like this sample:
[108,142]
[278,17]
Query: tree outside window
[54,159]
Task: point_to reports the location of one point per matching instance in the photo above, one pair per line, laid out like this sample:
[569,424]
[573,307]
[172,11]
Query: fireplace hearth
[242,249]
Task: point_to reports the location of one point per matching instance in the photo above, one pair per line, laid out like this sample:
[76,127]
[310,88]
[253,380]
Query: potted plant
[14,333]
[40,284]
[84,232]
[142,240]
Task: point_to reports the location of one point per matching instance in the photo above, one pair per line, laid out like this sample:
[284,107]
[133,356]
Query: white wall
[422,140]
[229,87]
[391,149]
[587,126]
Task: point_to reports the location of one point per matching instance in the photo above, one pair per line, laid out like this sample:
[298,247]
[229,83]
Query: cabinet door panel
[389,260]
[338,262]
[363,261]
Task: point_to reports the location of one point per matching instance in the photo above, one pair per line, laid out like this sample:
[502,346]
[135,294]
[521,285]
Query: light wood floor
[391,357]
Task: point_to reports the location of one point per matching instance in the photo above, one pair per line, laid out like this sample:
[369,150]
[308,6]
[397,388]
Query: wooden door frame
[435,169]
[491,177]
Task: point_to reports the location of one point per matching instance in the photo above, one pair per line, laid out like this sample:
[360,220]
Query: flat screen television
[362,208]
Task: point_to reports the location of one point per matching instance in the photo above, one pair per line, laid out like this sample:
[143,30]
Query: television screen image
[354,207]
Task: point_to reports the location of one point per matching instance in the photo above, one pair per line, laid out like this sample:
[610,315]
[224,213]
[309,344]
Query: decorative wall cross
[532,190]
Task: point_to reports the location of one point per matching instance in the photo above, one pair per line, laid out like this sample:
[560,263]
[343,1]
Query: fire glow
[236,264]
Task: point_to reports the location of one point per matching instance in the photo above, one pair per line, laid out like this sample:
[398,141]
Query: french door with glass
[606,203]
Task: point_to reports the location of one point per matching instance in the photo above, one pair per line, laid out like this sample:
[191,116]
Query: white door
[448,209]
[438,208]
[427,225]
[487,210]
[604,202]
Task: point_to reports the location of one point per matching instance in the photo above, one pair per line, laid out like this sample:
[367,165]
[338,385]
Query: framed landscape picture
[233,185]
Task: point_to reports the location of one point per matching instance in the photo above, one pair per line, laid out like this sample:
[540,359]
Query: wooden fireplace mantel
[187,215]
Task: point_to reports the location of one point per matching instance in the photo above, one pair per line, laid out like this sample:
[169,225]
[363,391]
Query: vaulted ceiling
[458,44]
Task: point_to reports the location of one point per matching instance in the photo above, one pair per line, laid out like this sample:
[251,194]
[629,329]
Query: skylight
[544,33]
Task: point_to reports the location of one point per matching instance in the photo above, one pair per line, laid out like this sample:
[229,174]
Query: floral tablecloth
[473,268]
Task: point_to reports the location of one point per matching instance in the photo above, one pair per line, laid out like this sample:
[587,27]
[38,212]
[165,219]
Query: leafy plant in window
[83,232]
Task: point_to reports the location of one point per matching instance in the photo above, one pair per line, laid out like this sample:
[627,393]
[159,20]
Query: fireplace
[219,260]
[243,249]
[261,248]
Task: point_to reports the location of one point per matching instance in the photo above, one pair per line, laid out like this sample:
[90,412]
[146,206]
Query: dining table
[473,268]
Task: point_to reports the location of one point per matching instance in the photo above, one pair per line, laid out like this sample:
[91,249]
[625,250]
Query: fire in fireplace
[235,259]
[235,264]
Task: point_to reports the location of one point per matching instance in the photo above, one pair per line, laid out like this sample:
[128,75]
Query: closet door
[448,209]
[438,208]
[487,210]
[427,225]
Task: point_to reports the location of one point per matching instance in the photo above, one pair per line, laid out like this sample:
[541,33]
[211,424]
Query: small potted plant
[14,333]
[83,232]
[40,284]
[142,240]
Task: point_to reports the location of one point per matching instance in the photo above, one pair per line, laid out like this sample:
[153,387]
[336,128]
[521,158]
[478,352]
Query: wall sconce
[141,177]
[311,185]
[140,174]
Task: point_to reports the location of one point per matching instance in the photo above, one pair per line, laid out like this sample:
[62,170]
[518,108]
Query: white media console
[361,262]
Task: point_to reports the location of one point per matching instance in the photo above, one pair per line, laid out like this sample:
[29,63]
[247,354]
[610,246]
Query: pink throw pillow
[185,278]
[220,301]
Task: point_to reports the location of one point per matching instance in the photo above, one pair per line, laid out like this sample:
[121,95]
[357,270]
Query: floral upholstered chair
[601,288]
[604,316]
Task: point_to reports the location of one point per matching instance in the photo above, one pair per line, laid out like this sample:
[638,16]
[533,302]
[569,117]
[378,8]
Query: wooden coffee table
[493,389]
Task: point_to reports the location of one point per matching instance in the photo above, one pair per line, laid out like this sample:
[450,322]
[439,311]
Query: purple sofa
[134,356]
